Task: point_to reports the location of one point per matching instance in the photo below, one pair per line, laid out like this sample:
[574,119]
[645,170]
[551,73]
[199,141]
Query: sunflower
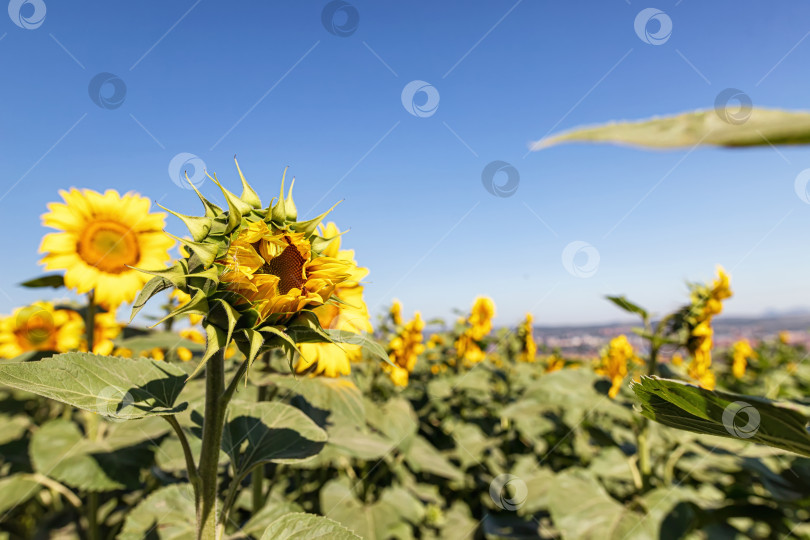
[275,272]
[351,315]
[40,327]
[613,363]
[102,237]
[105,331]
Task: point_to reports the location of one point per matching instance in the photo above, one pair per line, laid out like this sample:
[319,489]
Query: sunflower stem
[90,322]
[213,422]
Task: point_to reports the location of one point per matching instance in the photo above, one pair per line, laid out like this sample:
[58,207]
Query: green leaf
[120,388]
[339,396]
[15,490]
[374,521]
[169,510]
[366,342]
[272,510]
[58,450]
[423,457]
[161,340]
[685,406]
[628,306]
[48,280]
[198,226]
[704,127]
[581,509]
[300,525]
[267,432]
[152,287]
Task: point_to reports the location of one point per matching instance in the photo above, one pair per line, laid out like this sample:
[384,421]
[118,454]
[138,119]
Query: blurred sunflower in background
[478,326]
[334,359]
[101,237]
[404,350]
[40,327]
[614,360]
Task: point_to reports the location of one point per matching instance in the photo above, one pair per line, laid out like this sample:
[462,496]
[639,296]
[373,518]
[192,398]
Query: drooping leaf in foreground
[751,127]
[166,510]
[684,406]
[115,387]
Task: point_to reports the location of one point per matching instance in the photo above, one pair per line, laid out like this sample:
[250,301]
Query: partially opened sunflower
[102,237]
[260,278]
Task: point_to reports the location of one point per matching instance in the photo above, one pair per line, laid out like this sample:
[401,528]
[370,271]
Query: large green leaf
[310,526]
[269,431]
[375,521]
[59,450]
[582,510]
[752,127]
[685,406]
[167,513]
[340,397]
[114,387]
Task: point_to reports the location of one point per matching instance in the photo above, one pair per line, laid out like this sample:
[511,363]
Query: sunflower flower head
[404,350]
[741,352]
[102,238]
[395,312]
[613,362]
[254,272]
[40,327]
[528,352]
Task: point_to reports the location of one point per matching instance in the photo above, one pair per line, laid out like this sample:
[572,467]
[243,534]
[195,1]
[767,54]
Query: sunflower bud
[254,274]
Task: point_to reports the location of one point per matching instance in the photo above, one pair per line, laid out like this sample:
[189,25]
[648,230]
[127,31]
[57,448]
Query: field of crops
[269,404]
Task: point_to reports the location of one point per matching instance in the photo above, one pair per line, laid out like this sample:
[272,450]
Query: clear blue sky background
[267,81]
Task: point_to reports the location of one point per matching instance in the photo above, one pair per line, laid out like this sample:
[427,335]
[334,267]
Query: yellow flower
[274,270]
[40,327]
[554,363]
[481,316]
[105,331]
[741,351]
[677,360]
[528,351]
[436,340]
[399,376]
[102,236]
[334,359]
[155,354]
[193,335]
[784,337]
[396,312]
[614,362]
[404,349]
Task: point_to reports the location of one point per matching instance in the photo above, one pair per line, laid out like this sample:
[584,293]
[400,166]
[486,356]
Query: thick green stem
[257,476]
[92,516]
[213,422]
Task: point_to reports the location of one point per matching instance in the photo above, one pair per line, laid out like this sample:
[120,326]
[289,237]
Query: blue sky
[268,82]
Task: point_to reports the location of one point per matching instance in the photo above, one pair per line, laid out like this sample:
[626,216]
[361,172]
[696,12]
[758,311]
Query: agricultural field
[472,317]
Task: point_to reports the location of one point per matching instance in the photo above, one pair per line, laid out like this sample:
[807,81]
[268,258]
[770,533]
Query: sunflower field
[257,397]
